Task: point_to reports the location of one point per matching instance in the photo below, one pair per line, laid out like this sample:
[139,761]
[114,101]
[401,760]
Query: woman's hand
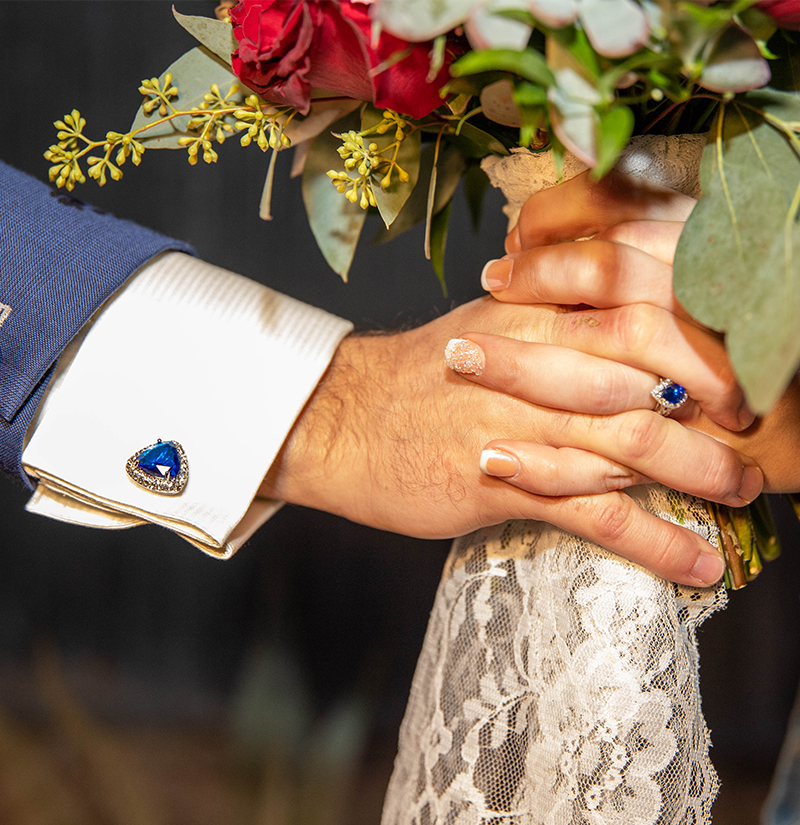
[638,331]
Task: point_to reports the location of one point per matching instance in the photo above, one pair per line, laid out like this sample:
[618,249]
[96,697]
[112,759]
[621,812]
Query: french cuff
[189,352]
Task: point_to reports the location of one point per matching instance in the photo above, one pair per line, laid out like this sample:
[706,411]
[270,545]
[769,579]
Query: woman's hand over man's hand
[392,438]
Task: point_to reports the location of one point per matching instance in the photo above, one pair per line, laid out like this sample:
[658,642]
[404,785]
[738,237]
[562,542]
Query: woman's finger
[555,471]
[603,362]
[582,207]
[652,339]
[597,272]
[614,521]
[551,376]
[666,451]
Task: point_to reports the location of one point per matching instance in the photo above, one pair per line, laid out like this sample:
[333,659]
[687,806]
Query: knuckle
[723,475]
[612,518]
[636,328]
[641,435]
[606,390]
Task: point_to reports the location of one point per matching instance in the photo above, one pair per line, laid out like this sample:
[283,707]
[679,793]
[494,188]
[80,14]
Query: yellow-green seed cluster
[367,163]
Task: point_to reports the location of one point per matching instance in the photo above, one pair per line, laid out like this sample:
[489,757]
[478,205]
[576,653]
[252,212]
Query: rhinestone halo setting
[160,468]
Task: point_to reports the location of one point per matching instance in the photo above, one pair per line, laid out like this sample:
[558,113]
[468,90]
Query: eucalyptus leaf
[450,168]
[528,64]
[390,201]
[439,224]
[616,127]
[573,116]
[615,28]
[417,20]
[737,266]
[192,74]
[212,33]
[735,63]
[335,222]
[488,29]
[475,143]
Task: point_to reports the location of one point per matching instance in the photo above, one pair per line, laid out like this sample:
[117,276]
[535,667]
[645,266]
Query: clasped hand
[570,345]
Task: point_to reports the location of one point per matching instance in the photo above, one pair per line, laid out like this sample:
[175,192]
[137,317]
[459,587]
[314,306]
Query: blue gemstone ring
[668,396]
[161,468]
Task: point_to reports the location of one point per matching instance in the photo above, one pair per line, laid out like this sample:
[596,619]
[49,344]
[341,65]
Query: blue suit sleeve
[60,259]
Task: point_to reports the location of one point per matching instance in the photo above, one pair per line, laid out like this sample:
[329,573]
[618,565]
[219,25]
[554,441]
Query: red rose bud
[785,13]
[288,47]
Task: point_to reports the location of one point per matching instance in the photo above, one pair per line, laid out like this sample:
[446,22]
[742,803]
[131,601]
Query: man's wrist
[325,435]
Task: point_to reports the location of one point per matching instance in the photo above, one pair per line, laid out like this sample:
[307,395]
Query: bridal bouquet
[391,103]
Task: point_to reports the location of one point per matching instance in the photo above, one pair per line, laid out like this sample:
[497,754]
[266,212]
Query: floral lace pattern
[558,685]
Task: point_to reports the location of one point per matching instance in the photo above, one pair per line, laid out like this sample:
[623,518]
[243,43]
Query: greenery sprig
[216,117]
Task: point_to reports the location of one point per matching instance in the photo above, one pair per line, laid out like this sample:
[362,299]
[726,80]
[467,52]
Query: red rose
[286,47]
[786,13]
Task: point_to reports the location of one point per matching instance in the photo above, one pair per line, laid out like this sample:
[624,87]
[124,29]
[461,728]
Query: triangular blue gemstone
[161,460]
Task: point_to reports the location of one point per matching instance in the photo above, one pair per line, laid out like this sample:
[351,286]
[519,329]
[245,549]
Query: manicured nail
[499,464]
[496,274]
[752,483]
[513,242]
[465,357]
[709,567]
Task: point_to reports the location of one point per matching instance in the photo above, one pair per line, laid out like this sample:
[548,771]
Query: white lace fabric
[558,683]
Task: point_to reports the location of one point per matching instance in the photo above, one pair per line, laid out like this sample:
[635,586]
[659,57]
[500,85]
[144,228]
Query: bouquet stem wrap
[558,683]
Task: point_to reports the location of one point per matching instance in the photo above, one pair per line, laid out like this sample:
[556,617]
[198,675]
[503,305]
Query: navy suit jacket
[60,259]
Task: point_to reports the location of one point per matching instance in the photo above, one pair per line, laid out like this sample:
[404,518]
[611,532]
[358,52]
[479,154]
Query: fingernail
[496,274]
[463,356]
[708,568]
[752,483]
[746,417]
[499,464]
[513,242]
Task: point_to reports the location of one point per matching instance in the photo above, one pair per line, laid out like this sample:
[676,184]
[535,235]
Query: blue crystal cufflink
[161,468]
[668,396]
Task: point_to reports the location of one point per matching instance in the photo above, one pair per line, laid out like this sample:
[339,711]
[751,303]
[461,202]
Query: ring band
[668,396]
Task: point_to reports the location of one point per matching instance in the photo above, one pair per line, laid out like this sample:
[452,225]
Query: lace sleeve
[558,684]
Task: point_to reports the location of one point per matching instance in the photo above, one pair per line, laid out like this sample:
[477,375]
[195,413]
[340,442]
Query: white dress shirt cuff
[189,352]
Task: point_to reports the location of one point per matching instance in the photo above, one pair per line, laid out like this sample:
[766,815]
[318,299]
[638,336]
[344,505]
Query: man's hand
[391,439]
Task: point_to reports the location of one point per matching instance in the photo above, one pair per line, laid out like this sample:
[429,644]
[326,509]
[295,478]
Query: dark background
[249,683]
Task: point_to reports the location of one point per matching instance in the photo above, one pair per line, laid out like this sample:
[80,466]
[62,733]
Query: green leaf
[439,225]
[737,266]
[528,64]
[531,103]
[212,33]
[193,75]
[616,127]
[475,143]
[450,168]
[335,222]
[390,201]
[569,46]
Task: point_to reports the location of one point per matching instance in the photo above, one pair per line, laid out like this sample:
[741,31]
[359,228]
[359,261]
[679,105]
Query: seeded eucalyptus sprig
[213,120]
